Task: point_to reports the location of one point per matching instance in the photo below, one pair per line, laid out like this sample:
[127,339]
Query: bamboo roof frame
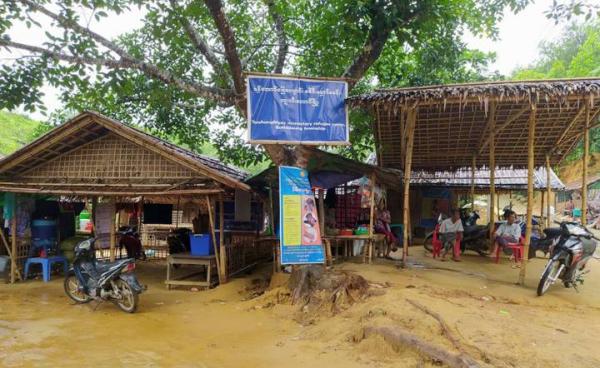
[181,172]
[452,124]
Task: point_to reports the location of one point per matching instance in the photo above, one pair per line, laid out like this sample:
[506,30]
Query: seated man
[450,231]
[508,232]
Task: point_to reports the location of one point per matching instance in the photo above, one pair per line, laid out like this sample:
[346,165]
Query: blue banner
[300,111]
[299,232]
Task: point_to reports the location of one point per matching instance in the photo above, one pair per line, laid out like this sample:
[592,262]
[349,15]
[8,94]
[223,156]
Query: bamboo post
[492,129]
[94,205]
[586,159]
[473,168]
[214,238]
[542,199]
[410,128]
[13,241]
[113,235]
[223,254]
[530,169]
[548,190]
[322,211]
[369,247]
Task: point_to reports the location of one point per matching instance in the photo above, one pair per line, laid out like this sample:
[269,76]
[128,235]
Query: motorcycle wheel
[72,290]
[549,273]
[129,301]
[428,244]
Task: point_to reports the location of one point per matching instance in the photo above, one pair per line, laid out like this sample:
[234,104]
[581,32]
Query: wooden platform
[207,262]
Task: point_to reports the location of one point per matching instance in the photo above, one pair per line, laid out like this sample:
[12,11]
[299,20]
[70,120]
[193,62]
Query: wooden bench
[208,262]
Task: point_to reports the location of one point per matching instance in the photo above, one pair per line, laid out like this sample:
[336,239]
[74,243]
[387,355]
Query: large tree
[182,72]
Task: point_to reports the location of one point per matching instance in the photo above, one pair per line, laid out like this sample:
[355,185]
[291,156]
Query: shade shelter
[497,124]
[329,171]
[93,156]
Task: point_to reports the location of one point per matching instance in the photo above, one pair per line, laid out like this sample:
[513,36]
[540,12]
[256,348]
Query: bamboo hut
[94,157]
[524,124]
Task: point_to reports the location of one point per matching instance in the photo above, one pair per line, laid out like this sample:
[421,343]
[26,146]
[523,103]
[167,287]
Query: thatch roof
[92,154]
[453,121]
[505,178]
[576,184]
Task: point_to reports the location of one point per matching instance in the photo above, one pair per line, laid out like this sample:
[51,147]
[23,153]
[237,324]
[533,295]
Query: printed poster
[296,110]
[299,231]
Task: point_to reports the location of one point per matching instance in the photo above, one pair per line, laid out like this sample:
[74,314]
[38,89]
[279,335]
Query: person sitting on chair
[451,230]
[507,232]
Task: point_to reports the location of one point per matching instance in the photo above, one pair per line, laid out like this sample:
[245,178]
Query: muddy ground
[496,322]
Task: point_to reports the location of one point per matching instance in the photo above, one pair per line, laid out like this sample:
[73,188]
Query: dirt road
[498,323]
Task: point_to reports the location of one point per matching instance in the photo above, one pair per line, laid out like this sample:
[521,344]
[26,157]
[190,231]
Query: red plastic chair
[436,243]
[518,249]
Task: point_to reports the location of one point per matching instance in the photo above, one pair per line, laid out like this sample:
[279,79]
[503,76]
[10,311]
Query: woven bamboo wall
[109,157]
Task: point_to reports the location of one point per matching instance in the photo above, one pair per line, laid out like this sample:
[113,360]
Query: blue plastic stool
[46,265]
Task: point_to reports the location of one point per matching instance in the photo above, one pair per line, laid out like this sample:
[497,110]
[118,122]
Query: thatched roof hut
[453,121]
[94,155]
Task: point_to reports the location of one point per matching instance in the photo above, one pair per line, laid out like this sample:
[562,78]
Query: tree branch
[150,70]
[281,36]
[198,42]
[231,54]
[373,46]
[70,24]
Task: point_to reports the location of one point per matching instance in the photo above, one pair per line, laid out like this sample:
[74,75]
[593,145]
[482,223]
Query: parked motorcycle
[89,279]
[569,255]
[474,237]
[130,240]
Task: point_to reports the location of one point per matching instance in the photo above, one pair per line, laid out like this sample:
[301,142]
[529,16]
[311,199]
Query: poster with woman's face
[311,234]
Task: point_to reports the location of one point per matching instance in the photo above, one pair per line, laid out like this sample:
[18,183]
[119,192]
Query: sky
[516,44]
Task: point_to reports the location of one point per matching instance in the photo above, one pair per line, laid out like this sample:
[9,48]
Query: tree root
[399,337]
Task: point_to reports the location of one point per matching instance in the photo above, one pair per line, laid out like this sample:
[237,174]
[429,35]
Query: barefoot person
[382,226]
[508,232]
[450,231]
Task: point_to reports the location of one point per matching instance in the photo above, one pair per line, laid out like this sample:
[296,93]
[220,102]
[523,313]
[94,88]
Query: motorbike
[130,240]
[89,279]
[569,255]
[474,237]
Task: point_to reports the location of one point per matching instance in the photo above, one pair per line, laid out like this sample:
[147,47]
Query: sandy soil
[498,323]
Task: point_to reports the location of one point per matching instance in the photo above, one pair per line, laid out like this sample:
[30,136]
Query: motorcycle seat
[552,232]
[102,267]
[589,246]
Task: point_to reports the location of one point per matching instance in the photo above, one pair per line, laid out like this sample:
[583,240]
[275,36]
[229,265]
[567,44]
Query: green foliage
[17,130]
[575,54]
[421,46]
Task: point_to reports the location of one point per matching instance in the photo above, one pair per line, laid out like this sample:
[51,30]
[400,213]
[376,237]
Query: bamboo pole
[214,238]
[473,168]
[492,143]
[548,190]
[223,251]
[322,211]
[369,245]
[542,205]
[530,169]
[113,217]
[13,241]
[586,159]
[411,121]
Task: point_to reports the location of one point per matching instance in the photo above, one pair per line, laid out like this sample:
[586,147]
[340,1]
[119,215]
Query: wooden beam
[492,142]
[410,132]
[500,127]
[530,170]
[585,163]
[113,235]
[570,125]
[548,191]
[223,251]
[322,211]
[107,193]
[13,241]
[473,168]
[214,238]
